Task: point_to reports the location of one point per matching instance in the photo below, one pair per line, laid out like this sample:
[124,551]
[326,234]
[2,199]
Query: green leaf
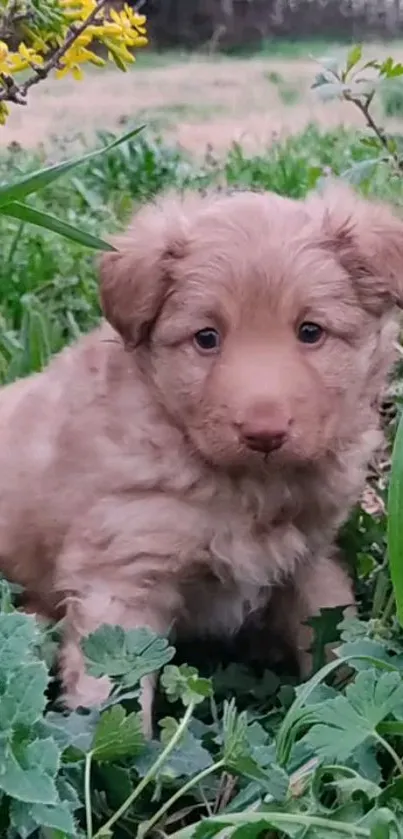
[353,57]
[391,69]
[35,181]
[25,213]
[348,721]
[298,716]
[26,818]
[185,683]
[256,822]
[395,516]
[23,700]
[125,655]
[118,735]
[18,634]
[189,758]
[361,171]
[74,730]
[27,772]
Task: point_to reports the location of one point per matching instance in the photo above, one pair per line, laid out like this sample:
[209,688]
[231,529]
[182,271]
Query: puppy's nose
[265,434]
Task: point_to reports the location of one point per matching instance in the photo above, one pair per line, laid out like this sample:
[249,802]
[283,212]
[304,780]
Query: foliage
[60,36]
[327,763]
[238,749]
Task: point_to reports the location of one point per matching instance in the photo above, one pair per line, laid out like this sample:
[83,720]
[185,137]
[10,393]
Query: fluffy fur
[129,488]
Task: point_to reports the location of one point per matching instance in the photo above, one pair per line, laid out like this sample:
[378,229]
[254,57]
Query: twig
[13,92]
[381,135]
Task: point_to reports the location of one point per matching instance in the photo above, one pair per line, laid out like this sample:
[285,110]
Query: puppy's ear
[136,278]
[367,239]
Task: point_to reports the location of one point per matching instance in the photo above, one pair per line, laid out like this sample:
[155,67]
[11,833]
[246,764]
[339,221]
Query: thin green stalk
[388,610]
[278,820]
[178,794]
[380,593]
[105,829]
[395,757]
[87,794]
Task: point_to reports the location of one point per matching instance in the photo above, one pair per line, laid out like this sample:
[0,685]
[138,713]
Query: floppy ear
[136,278]
[367,239]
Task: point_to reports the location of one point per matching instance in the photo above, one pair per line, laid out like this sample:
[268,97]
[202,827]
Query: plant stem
[87,794]
[278,820]
[364,107]
[395,757]
[388,608]
[150,774]
[178,794]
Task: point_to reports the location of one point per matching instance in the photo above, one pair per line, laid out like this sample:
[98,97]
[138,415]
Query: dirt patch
[198,102]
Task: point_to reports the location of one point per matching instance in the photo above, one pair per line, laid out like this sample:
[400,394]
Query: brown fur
[127,490]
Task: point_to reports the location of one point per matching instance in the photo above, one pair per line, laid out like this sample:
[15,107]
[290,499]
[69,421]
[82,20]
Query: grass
[242,747]
[196,99]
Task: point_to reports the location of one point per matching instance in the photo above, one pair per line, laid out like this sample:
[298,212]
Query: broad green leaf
[346,782]
[26,818]
[298,716]
[348,721]
[189,758]
[27,772]
[185,683]
[74,730]
[35,181]
[125,655]
[25,213]
[395,517]
[273,780]
[118,735]
[23,700]
[361,171]
[18,634]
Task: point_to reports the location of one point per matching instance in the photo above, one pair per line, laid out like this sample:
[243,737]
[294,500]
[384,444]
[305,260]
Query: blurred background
[218,72]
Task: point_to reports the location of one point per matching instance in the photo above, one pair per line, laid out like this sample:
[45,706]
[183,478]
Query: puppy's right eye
[208,340]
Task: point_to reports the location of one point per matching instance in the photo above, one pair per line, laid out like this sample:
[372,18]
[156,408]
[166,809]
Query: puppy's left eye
[310,333]
[207,340]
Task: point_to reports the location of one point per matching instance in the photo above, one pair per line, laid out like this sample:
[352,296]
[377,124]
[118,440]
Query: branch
[14,92]
[381,135]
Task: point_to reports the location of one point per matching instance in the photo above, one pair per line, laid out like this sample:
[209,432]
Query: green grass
[254,765]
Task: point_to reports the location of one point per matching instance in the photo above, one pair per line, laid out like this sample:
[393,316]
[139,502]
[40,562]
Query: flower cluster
[69,41]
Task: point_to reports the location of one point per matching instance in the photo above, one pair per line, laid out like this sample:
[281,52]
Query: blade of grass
[25,213]
[395,519]
[43,177]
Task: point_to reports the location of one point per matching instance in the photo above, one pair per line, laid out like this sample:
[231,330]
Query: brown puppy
[181,462]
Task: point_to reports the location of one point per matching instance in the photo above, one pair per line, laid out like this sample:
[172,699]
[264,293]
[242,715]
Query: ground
[199,101]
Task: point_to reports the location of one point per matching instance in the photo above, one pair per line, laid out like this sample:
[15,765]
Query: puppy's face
[264,324]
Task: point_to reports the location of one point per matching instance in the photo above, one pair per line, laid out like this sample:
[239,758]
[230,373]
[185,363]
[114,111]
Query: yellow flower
[129,31]
[4,112]
[75,56]
[4,52]
[25,57]
[78,9]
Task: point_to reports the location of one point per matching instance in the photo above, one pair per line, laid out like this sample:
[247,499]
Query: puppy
[195,455]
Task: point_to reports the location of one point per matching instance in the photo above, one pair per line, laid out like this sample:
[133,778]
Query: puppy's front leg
[84,614]
[322,584]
